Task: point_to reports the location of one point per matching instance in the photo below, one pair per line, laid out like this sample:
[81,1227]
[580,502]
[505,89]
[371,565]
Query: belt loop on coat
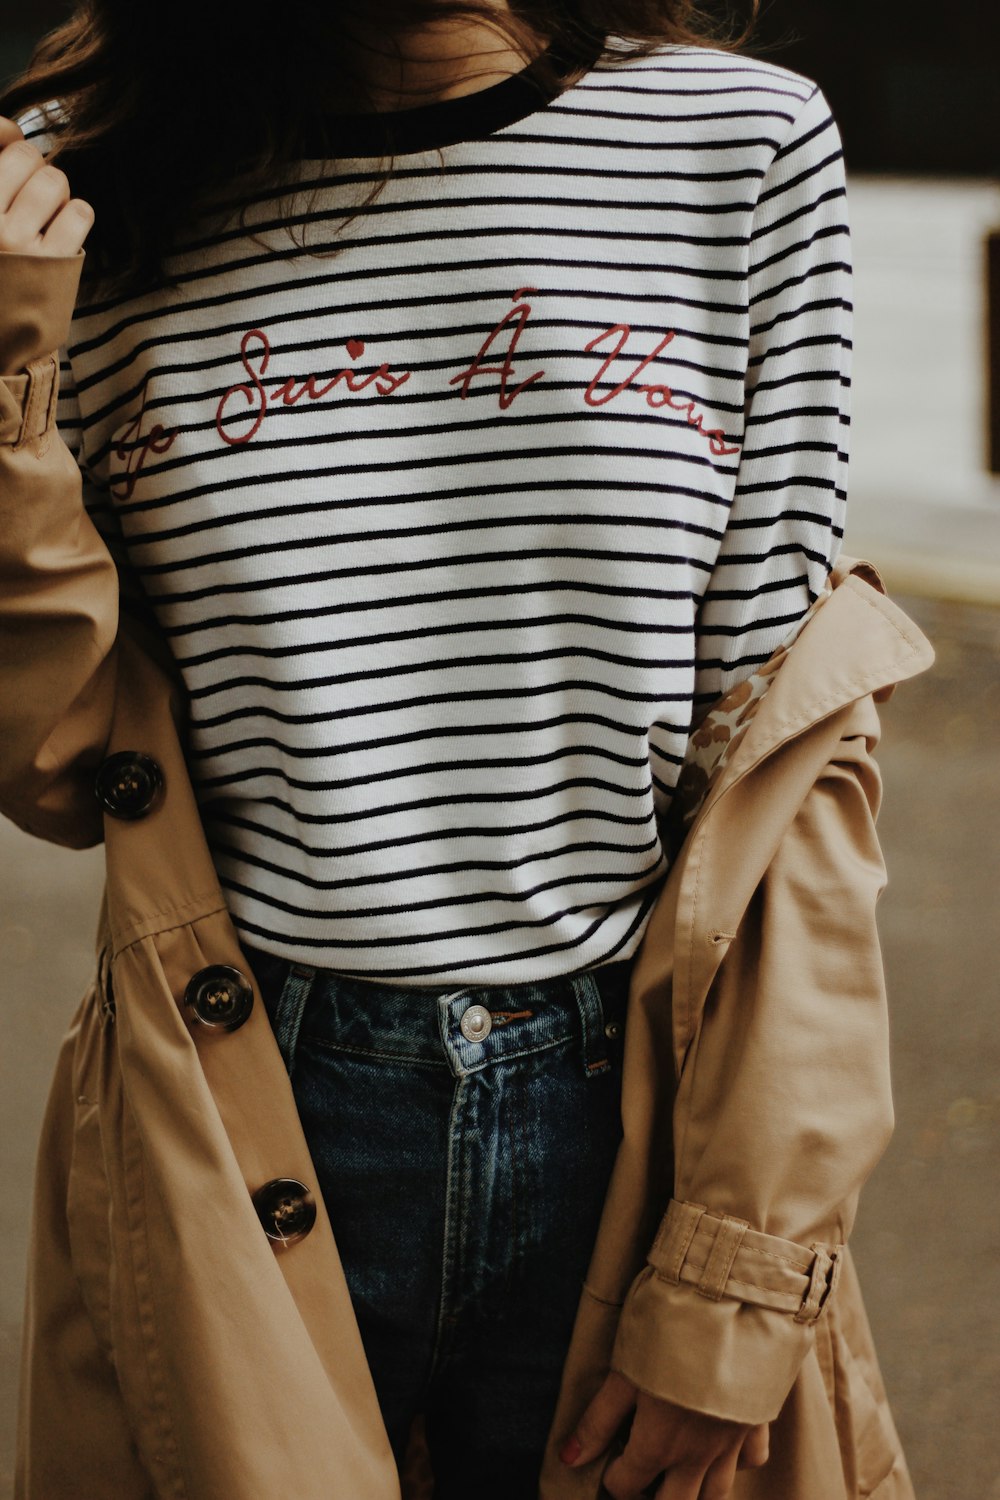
[673,1238]
[40,395]
[728,1238]
[289,1009]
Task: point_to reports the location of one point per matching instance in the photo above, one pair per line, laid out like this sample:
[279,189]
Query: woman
[455,527]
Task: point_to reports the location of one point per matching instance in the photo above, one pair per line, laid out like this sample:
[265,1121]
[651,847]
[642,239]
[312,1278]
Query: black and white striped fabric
[455,534]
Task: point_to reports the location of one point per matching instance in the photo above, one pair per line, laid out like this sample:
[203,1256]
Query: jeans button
[612,1029]
[476,1023]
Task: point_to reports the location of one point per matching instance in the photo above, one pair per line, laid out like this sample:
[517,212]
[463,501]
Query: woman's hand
[37,214]
[700,1454]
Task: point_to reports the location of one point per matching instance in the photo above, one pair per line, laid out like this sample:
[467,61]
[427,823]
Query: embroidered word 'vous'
[253,399]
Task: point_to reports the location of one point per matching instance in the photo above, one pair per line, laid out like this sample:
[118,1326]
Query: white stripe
[445,644]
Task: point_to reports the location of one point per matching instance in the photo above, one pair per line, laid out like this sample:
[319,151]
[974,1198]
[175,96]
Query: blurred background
[915,89]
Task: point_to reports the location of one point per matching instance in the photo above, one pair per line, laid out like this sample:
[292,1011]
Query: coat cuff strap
[721,1256]
[28,401]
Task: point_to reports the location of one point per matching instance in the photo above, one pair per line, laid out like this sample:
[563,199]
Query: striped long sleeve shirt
[456,528]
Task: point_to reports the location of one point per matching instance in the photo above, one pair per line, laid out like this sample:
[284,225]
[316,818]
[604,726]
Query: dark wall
[22,22]
[915,86]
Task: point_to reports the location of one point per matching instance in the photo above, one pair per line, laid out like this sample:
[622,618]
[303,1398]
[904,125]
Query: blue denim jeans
[464,1168]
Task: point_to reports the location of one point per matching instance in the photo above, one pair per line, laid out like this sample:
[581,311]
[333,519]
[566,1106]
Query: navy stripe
[458,517]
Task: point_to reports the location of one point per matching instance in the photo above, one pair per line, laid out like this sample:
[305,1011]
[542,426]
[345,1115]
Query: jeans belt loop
[588,999]
[289,1009]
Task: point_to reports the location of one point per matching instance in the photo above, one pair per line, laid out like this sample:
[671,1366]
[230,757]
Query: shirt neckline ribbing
[447,122]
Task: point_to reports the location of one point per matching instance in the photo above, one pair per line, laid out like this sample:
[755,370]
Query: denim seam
[506,1057]
[452,1220]
[351,1051]
[513,1116]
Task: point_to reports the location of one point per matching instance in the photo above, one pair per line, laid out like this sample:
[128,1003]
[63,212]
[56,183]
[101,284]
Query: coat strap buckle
[719,1255]
[824,1273]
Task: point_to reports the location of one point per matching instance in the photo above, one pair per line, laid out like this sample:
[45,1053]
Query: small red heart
[355,348]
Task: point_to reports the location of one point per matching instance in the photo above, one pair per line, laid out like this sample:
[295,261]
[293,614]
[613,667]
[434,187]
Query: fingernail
[570,1450]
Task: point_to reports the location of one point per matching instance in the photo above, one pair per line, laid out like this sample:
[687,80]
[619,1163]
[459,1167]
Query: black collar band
[445,122]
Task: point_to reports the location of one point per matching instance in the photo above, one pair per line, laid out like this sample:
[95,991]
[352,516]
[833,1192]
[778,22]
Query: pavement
[927,1236]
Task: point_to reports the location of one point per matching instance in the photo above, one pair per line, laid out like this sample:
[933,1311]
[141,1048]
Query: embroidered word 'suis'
[255,353]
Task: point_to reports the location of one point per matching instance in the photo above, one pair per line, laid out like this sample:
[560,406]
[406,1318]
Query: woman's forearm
[58,582]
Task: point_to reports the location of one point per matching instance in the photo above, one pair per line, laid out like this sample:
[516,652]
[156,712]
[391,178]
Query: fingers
[692,1455]
[37,214]
[682,1482]
[601,1420]
[19,161]
[695,1453]
[686,1481]
[630,1476]
[68,230]
[756,1447]
[654,1445]
[9,131]
[719,1476]
[31,191]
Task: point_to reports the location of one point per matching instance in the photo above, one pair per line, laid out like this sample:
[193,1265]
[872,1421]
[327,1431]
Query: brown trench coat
[170,1349]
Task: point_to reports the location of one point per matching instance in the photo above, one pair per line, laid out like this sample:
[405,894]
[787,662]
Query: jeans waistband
[273,963]
[471,1025]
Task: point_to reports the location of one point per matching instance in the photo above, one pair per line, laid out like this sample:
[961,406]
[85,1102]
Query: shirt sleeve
[785,525]
[133,601]
[96,501]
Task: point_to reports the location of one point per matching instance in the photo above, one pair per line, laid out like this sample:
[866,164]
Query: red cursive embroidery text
[257,397]
[137,451]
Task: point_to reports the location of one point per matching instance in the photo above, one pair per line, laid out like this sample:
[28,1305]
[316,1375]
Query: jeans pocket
[603,1002]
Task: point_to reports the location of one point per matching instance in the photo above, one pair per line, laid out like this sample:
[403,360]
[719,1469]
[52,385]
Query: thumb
[601,1420]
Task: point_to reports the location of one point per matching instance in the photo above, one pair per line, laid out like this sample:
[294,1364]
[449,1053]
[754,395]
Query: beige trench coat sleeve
[783,1108]
[58,582]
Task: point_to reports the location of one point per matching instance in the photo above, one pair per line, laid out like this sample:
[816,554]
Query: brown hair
[163,111]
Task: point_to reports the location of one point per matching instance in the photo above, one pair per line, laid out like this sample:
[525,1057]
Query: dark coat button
[286,1209]
[220,996]
[128,784]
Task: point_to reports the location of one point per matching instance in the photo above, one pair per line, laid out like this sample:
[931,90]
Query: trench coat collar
[848,656]
[858,642]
